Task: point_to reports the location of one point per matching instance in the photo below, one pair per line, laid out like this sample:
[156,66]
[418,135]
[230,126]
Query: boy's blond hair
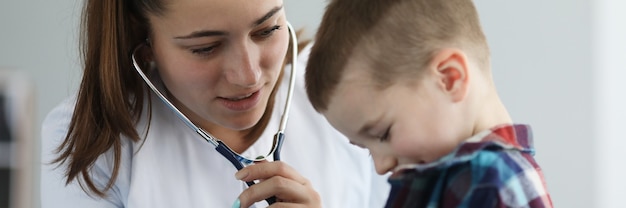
[396,38]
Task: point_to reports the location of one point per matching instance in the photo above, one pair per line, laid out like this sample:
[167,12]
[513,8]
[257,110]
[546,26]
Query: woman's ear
[149,55]
[145,57]
[452,72]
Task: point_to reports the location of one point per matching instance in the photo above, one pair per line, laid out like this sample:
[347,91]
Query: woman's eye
[205,50]
[268,32]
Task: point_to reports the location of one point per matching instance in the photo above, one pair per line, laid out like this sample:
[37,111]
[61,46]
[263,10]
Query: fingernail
[241,175]
[237,204]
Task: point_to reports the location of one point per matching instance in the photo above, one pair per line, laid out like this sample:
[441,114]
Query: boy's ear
[452,70]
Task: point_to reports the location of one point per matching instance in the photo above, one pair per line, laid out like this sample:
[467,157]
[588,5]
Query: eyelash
[269,32]
[262,34]
[385,136]
[205,50]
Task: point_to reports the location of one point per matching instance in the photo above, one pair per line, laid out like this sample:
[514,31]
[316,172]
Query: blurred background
[559,65]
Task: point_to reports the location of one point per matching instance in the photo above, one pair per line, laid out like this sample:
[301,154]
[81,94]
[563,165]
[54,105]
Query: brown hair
[111,94]
[397,38]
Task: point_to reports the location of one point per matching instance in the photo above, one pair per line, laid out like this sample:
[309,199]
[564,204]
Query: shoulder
[502,165]
[54,191]
[55,125]
[63,111]
[513,175]
[301,62]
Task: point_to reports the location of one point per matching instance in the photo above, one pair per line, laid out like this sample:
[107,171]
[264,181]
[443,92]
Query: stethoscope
[237,160]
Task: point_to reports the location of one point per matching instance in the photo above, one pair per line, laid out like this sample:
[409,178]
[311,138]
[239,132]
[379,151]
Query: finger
[266,170]
[258,162]
[285,190]
[287,205]
[262,161]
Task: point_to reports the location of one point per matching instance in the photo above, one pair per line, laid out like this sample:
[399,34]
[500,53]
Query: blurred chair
[19,151]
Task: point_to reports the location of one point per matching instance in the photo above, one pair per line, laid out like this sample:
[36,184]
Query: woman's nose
[243,68]
[384,163]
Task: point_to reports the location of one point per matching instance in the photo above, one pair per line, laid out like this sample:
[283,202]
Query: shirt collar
[502,137]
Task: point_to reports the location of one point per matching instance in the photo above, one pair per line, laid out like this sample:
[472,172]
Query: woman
[220,62]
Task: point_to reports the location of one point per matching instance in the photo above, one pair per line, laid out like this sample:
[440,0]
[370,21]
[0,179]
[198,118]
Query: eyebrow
[267,16]
[209,33]
[202,33]
[364,131]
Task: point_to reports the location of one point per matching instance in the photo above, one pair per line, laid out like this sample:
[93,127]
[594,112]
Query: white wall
[305,14]
[542,67]
[37,39]
[556,65]
[609,36]
[560,65]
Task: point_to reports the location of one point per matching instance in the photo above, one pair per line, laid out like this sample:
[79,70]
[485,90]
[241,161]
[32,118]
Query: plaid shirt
[494,168]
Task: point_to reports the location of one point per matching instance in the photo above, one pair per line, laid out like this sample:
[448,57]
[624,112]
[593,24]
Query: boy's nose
[384,164]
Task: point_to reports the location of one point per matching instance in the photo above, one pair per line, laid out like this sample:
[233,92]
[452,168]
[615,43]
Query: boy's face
[402,124]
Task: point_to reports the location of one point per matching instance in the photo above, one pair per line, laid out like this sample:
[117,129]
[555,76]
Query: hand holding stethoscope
[281,181]
[239,161]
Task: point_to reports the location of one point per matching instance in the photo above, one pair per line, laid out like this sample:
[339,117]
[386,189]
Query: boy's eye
[267,33]
[385,136]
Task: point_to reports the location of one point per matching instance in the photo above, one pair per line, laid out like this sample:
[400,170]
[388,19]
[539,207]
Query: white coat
[174,167]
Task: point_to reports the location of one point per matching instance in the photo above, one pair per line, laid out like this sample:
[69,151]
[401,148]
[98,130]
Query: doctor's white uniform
[174,167]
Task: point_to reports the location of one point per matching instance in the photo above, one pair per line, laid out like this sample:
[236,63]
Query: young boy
[410,80]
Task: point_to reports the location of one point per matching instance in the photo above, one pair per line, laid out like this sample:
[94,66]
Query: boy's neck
[492,113]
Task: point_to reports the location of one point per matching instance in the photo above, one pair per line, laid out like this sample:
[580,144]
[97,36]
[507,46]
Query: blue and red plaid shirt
[494,168]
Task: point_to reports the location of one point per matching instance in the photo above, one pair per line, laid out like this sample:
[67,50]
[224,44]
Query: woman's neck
[234,139]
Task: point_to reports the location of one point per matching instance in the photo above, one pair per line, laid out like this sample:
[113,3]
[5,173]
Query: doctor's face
[220,59]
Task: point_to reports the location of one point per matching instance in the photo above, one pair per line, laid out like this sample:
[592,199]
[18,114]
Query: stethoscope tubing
[220,147]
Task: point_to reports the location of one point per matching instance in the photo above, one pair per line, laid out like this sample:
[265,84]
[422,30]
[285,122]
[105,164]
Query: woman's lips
[242,102]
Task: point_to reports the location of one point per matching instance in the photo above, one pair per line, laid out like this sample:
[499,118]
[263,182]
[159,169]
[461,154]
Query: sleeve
[513,180]
[527,187]
[54,191]
[515,193]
